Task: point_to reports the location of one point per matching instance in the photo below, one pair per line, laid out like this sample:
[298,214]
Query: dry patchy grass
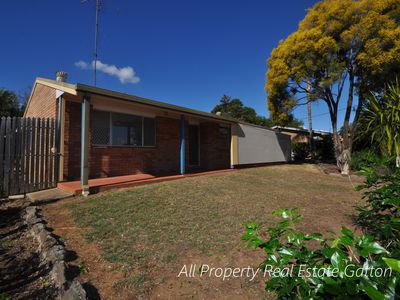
[150,231]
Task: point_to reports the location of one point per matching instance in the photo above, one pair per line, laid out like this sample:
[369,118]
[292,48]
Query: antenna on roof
[96,34]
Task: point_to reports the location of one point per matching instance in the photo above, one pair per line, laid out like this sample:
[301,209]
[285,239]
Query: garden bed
[22,272]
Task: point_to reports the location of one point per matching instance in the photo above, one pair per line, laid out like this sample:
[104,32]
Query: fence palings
[27,158]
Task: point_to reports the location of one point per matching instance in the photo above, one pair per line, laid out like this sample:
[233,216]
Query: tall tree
[236,109]
[224,103]
[339,43]
[9,106]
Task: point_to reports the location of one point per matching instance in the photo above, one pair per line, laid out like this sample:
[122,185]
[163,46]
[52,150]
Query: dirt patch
[23,275]
[114,280]
[93,270]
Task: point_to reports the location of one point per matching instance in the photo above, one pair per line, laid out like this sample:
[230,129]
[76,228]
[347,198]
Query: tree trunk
[342,155]
[310,130]
[397,161]
[343,162]
[344,158]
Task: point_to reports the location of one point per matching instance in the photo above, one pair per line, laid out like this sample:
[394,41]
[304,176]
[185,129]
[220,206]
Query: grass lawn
[145,235]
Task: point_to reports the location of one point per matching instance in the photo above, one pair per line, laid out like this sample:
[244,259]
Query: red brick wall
[163,159]
[43,103]
[213,155]
[72,140]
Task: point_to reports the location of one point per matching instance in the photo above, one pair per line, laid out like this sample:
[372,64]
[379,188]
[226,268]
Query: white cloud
[124,74]
[82,65]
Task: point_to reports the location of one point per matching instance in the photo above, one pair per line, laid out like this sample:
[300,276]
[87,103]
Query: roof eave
[62,86]
[82,88]
[79,89]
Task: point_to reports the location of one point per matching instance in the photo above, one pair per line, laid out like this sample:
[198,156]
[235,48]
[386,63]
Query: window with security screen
[116,129]
[101,128]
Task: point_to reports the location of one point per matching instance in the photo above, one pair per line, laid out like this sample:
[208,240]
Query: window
[101,128]
[126,130]
[122,129]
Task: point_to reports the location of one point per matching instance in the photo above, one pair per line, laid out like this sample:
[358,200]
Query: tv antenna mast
[96,34]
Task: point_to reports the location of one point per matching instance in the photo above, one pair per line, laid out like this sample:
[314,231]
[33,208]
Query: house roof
[300,130]
[81,89]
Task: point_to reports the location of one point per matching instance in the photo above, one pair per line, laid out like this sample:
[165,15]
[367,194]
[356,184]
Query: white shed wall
[259,145]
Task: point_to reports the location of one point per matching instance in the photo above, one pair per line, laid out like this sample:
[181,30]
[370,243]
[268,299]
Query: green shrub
[380,217]
[369,159]
[5,296]
[332,263]
[300,151]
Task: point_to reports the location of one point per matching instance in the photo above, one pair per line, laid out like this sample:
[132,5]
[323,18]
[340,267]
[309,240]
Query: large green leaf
[347,232]
[337,260]
[371,291]
[394,264]
[368,248]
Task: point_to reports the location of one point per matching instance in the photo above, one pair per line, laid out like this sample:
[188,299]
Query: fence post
[33,156]
[37,154]
[46,154]
[7,157]
[42,152]
[52,154]
[28,134]
[16,160]
[2,143]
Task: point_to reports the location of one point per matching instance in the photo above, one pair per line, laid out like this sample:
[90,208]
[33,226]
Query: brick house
[105,133]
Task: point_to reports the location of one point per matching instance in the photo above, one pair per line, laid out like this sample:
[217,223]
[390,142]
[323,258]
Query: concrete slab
[48,195]
[15,197]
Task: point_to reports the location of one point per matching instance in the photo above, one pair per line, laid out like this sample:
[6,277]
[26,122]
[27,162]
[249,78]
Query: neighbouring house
[103,133]
[301,135]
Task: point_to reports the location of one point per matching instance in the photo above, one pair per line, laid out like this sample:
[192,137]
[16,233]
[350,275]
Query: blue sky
[183,52]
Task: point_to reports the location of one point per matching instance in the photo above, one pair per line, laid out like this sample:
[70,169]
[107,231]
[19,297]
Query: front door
[194,145]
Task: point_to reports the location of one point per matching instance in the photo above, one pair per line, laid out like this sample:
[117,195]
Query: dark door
[194,145]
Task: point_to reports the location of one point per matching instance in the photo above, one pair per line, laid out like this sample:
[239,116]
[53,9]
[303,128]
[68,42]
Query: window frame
[110,142]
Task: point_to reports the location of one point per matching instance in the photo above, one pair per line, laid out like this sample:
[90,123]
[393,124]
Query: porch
[103,184]
[122,144]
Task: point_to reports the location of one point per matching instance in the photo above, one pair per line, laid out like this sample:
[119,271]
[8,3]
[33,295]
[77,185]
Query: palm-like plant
[383,119]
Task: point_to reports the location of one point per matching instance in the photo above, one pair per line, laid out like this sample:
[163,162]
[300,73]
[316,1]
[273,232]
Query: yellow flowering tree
[340,43]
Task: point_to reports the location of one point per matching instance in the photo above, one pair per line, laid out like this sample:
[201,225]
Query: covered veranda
[86,183]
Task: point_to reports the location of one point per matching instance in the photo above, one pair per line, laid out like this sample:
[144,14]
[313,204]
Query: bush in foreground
[380,217]
[338,268]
